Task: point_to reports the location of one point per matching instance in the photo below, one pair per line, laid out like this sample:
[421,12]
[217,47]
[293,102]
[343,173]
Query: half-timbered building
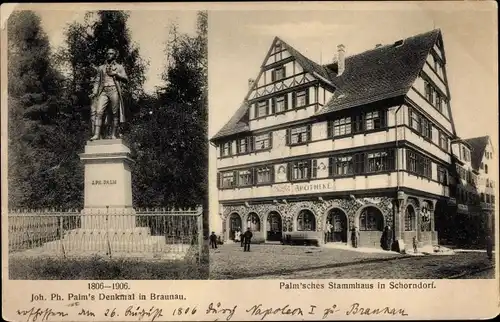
[316,150]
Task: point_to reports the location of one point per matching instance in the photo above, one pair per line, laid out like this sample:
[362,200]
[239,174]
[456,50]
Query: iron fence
[157,233]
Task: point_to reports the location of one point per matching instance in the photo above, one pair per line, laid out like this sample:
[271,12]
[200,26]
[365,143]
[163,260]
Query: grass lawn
[104,269]
[230,262]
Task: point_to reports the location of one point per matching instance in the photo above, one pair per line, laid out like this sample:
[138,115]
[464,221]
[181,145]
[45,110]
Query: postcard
[249,161]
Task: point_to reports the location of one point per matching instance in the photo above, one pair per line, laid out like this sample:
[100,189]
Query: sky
[148,28]
[239,41]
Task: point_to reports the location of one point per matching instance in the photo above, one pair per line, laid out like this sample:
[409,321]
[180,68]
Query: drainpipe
[397,232]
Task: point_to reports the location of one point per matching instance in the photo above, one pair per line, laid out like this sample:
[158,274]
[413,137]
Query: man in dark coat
[388,238]
[213,240]
[247,237]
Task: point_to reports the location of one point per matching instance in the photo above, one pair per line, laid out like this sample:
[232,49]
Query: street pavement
[299,262]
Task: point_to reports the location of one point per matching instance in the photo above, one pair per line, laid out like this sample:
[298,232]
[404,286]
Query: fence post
[107,231]
[200,236]
[61,235]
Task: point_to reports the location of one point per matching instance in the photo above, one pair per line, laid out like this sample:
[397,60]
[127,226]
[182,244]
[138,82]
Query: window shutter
[273,105]
[238,142]
[287,136]
[307,95]
[271,173]
[294,99]
[289,171]
[273,76]
[309,134]
[329,129]
[286,101]
[221,150]
[383,116]
[219,183]
[230,147]
[251,143]
[256,107]
[253,172]
[270,140]
[235,177]
[330,166]
[314,168]
[284,71]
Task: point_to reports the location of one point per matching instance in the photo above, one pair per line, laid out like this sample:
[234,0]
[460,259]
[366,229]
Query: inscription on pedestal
[103,182]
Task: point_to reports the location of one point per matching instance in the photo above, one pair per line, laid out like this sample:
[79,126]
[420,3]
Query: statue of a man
[107,93]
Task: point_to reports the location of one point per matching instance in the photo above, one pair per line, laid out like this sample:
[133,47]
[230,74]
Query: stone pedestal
[108,221]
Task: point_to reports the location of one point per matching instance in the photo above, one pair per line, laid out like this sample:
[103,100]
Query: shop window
[306,221]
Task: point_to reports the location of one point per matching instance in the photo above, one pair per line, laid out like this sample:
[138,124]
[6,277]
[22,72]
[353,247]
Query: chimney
[251,81]
[341,59]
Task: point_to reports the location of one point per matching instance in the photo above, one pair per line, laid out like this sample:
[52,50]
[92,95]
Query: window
[226,149]
[426,128]
[264,174]
[439,103]
[373,120]
[482,165]
[418,164]
[485,168]
[278,74]
[429,91]
[341,165]
[342,126]
[409,218]
[443,141]
[371,219]
[301,170]
[301,98]
[253,222]
[380,161]
[263,141]
[412,161]
[442,175]
[306,221]
[261,108]
[414,120]
[298,135]
[244,178]
[425,216]
[280,104]
[227,179]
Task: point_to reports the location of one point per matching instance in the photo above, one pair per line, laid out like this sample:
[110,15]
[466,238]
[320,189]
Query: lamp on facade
[247,204]
[285,202]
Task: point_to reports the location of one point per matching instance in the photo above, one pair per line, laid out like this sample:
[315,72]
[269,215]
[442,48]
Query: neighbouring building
[364,141]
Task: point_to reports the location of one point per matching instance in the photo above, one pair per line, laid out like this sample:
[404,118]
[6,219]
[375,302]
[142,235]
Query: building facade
[363,142]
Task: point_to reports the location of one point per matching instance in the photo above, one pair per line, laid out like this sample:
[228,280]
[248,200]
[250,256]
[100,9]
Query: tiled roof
[381,73]
[236,124]
[377,74]
[478,146]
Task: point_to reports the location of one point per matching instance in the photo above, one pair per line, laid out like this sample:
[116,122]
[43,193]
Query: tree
[171,135]
[33,107]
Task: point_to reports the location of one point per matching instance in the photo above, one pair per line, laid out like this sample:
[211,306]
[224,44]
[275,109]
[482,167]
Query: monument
[108,220]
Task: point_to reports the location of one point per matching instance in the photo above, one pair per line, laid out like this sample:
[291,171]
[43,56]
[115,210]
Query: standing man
[107,92]
[247,236]
[213,240]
